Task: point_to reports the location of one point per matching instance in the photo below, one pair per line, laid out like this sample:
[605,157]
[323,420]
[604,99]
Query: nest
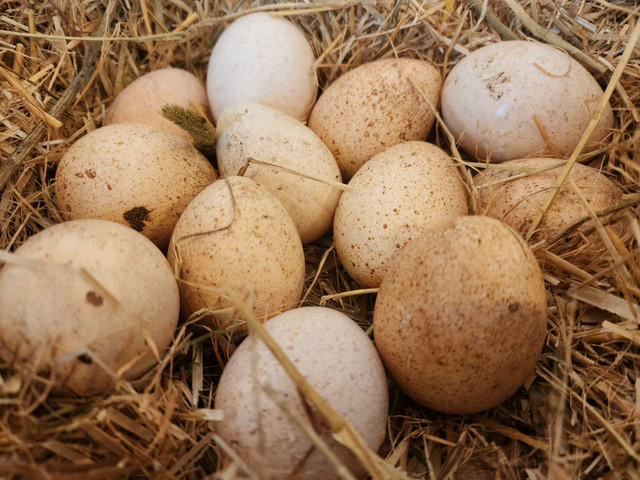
[64,62]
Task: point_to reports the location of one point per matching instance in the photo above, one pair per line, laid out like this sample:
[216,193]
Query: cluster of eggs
[460,317]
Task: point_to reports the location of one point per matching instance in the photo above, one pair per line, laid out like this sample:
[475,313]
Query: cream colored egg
[264,59]
[397,195]
[133,174]
[250,130]
[460,318]
[337,358]
[237,238]
[143,99]
[374,107]
[516,99]
[518,201]
[83,299]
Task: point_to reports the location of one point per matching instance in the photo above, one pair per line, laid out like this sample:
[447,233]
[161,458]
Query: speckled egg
[264,59]
[137,175]
[518,201]
[374,107]
[250,130]
[397,195]
[460,318]
[83,296]
[143,99]
[237,237]
[516,99]
[258,398]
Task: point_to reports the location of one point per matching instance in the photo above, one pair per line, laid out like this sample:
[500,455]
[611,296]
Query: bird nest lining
[63,63]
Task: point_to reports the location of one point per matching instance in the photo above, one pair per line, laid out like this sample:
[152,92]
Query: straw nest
[578,418]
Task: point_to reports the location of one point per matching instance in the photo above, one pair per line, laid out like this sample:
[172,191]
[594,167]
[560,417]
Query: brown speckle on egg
[136,218]
[94,299]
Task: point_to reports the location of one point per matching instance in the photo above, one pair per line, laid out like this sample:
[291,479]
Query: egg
[85,299]
[516,99]
[250,130]
[398,194]
[374,107]
[460,318]
[518,201]
[143,99]
[133,174]
[263,59]
[236,237]
[337,358]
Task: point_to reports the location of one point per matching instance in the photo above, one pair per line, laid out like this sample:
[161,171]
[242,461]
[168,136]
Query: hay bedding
[578,418]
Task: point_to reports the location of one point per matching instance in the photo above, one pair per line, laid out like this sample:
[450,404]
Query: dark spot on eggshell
[86,359]
[94,299]
[136,217]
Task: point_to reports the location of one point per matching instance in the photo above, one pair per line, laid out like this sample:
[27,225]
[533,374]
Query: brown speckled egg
[237,237]
[133,174]
[250,130]
[374,107]
[87,295]
[143,99]
[337,358]
[397,195]
[460,318]
[516,99]
[517,202]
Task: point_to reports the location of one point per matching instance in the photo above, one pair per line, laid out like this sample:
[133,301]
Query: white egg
[255,393]
[263,59]
[515,99]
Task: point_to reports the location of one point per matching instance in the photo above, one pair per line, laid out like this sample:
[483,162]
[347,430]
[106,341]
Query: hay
[578,418]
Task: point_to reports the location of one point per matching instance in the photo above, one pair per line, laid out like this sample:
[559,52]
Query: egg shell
[237,237]
[397,195]
[263,59]
[250,130]
[133,174]
[337,358]
[142,100]
[516,99]
[518,202]
[374,107]
[56,316]
[460,318]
